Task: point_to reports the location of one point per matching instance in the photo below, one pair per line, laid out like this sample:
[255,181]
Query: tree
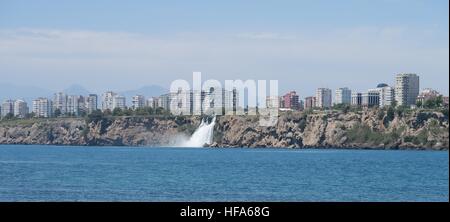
[106,112]
[95,116]
[302,125]
[390,114]
[419,103]
[346,109]
[117,112]
[143,111]
[433,103]
[445,112]
[127,112]
[401,110]
[57,113]
[380,114]
[30,115]
[9,116]
[159,111]
[394,103]
[82,113]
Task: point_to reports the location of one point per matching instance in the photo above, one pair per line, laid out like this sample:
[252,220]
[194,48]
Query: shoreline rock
[355,130]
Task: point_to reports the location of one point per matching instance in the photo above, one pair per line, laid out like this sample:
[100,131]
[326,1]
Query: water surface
[54,173]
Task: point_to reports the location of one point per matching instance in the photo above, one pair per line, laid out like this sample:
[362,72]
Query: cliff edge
[363,129]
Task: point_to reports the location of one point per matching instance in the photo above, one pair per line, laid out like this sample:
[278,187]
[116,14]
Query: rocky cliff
[364,129]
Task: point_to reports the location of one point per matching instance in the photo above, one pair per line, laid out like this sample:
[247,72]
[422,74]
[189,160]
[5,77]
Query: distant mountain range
[147,91]
[28,93]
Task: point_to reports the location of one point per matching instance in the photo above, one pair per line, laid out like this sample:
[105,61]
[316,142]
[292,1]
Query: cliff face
[127,131]
[365,129]
[368,129]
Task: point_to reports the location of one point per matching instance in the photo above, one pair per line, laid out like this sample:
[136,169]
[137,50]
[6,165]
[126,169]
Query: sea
[40,173]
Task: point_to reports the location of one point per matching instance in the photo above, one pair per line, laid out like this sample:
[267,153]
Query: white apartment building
[386,94]
[216,100]
[165,101]
[153,102]
[230,101]
[200,102]
[406,89]
[108,100]
[20,108]
[7,108]
[73,105]
[119,102]
[138,101]
[197,100]
[273,102]
[91,103]
[371,98]
[42,107]
[181,102]
[343,96]
[213,101]
[323,98]
[356,99]
[82,104]
[60,102]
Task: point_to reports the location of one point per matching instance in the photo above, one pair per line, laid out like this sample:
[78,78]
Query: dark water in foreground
[51,173]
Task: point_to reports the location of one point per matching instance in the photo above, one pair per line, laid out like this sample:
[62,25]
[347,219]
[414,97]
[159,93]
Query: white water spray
[202,135]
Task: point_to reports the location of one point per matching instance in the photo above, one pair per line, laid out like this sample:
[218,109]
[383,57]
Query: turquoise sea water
[54,173]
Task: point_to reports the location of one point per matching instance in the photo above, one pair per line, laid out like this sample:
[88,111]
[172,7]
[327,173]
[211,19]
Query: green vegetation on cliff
[373,128]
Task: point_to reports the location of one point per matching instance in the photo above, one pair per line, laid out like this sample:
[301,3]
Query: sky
[121,45]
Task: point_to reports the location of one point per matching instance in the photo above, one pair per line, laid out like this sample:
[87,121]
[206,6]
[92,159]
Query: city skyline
[406,92]
[355,44]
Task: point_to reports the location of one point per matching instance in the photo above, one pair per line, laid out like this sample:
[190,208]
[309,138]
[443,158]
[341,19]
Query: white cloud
[90,54]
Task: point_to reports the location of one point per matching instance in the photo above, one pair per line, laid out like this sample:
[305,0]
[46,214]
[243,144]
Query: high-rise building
[181,102]
[197,102]
[214,100]
[7,107]
[273,102]
[42,107]
[91,103]
[291,101]
[153,102]
[386,93]
[119,102]
[343,96]
[108,100]
[310,102]
[230,100]
[356,99]
[82,105]
[406,89]
[20,108]
[323,98]
[138,101]
[60,102]
[73,105]
[165,101]
[371,98]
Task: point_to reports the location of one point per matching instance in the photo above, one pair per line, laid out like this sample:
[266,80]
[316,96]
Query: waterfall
[202,135]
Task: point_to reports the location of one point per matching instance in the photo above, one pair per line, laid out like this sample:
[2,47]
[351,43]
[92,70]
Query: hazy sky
[123,45]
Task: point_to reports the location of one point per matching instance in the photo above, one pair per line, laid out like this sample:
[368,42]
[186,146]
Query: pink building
[291,101]
[310,102]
